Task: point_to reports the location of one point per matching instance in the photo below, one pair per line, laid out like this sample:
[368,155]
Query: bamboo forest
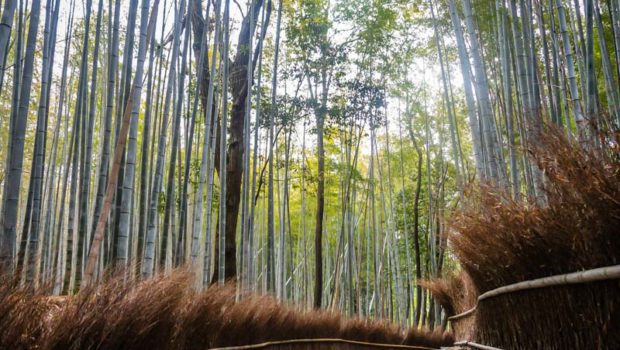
[310,174]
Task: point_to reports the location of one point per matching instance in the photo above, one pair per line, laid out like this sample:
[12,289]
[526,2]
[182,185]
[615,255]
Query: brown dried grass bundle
[168,313]
[429,338]
[455,293]
[222,321]
[22,312]
[118,314]
[500,241]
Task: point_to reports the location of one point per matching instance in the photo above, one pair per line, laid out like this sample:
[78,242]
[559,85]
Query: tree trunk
[320,193]
[234,161]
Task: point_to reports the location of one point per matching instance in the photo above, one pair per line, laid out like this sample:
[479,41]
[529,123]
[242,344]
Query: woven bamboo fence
[580,327]
[587,276]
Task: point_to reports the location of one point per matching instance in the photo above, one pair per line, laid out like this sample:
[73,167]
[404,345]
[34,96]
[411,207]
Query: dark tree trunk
[320,206]
[416,228]
[234,160]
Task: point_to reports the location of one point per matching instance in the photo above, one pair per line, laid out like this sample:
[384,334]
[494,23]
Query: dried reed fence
[475,345]
[323,344]
[501,242]
[601,274]
[168,313]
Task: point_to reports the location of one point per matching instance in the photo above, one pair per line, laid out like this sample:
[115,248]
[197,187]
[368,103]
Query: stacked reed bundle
[22,315]
[456,294]
[501,241]
[168,313]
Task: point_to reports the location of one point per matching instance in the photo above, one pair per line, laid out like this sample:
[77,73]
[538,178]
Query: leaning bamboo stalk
[125,219]
[587,276]
[113,178]
[148,263]
[611,88]
[570,66]
[488,136]
[472,113]
[6,24]
[202,57]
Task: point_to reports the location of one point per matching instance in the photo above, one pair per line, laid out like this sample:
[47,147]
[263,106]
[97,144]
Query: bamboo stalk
[112,180]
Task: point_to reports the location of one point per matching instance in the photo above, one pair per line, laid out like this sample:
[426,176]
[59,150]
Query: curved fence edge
[586,276]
